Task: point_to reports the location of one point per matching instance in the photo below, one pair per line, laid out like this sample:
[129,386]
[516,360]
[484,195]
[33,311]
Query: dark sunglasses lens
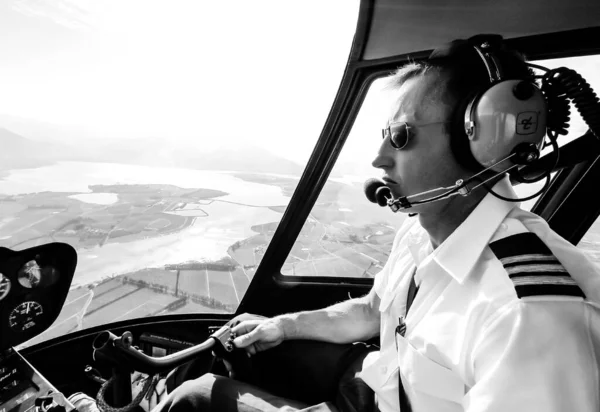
[399,137]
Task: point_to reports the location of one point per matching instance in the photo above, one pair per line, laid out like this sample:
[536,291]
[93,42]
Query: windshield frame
[358,77]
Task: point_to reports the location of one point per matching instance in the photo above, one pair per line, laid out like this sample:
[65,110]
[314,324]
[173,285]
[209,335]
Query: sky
[195,73]
[191,71]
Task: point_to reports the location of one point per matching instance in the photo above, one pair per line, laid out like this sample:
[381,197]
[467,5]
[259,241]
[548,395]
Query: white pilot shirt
[477,339]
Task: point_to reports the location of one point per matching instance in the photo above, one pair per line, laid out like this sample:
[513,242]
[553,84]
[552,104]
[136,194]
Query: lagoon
[224,220]
[78,176]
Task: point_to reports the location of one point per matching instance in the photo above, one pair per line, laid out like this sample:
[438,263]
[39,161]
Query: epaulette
[532,267]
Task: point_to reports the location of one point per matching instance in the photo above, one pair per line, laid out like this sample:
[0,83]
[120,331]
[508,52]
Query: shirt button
[383,370]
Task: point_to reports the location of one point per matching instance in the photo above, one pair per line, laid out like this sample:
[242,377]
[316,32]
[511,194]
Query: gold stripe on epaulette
[533,268]
[536,268]
[527,258]
[543,280]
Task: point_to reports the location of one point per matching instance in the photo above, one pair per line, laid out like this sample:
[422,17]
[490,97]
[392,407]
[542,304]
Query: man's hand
[258,335]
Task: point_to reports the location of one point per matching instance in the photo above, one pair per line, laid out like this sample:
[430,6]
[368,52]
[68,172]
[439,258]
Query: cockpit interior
[123,259]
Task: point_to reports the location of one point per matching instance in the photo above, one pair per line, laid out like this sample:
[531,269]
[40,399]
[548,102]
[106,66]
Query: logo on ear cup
[527,123]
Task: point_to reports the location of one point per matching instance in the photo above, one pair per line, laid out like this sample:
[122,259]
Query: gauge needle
[27,311]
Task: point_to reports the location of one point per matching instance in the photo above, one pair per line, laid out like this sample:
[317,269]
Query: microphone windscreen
[371,187]
[382,194]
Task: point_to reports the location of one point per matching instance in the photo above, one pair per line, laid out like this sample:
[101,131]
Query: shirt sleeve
[538,355]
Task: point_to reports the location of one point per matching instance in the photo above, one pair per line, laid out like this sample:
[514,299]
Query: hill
[19,152]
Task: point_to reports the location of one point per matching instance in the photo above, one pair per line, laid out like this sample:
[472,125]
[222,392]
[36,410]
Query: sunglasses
[400,133]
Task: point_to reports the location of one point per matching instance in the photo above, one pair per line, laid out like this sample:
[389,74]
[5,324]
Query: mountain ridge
[20,152]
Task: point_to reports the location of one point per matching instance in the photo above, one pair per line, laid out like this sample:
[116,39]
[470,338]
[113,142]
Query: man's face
[426,162]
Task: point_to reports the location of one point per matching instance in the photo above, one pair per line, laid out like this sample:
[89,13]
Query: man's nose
[383,159]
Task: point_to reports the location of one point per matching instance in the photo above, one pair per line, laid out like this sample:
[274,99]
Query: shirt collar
[460,251]
[418,243]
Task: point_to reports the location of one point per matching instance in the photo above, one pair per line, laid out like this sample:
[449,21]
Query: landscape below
[330,244]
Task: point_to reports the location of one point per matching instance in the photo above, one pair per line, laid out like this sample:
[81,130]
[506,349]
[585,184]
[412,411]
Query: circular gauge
[25,315]
[30,274]
[4,286]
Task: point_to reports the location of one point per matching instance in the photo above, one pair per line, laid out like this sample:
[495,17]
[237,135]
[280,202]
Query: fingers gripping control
[236,361]
[258,335]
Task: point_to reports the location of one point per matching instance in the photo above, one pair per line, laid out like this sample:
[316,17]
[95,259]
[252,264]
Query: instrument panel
[22,387]
[34,284]
[4,286]
[25,316]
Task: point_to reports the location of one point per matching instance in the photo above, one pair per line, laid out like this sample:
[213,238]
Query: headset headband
[484,46]
[491,63]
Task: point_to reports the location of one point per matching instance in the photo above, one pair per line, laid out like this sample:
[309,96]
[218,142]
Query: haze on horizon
[189,76]
[202,74]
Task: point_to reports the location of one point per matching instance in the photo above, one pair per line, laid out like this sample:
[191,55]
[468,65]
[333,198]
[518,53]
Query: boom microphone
[377,192]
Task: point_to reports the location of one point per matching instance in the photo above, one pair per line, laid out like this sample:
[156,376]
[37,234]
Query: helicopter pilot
[481,306]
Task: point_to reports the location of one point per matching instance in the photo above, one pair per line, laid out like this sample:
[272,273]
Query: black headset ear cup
[472,63]
[459,141]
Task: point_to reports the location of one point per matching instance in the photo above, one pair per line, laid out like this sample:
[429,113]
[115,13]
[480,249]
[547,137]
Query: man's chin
[411,211]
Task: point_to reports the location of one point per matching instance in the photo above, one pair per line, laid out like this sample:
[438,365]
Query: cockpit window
[347,236]
[162,141]
[588,67]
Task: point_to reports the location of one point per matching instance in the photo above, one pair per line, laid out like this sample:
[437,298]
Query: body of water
[78,176]
[227,220]
[218,224]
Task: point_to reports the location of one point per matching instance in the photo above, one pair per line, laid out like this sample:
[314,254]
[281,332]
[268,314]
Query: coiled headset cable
[561,86]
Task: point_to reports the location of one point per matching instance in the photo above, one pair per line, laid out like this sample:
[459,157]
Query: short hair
[462,72]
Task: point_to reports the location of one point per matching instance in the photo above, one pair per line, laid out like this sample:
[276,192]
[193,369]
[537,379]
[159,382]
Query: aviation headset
[502,122]
[505,115]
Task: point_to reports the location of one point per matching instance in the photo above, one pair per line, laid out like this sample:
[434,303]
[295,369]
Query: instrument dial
[25,316]
[4,286]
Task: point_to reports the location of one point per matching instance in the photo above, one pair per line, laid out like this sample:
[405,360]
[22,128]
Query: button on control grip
[225,349]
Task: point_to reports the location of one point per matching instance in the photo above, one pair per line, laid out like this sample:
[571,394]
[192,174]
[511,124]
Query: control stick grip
[238,358]
[224,341]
